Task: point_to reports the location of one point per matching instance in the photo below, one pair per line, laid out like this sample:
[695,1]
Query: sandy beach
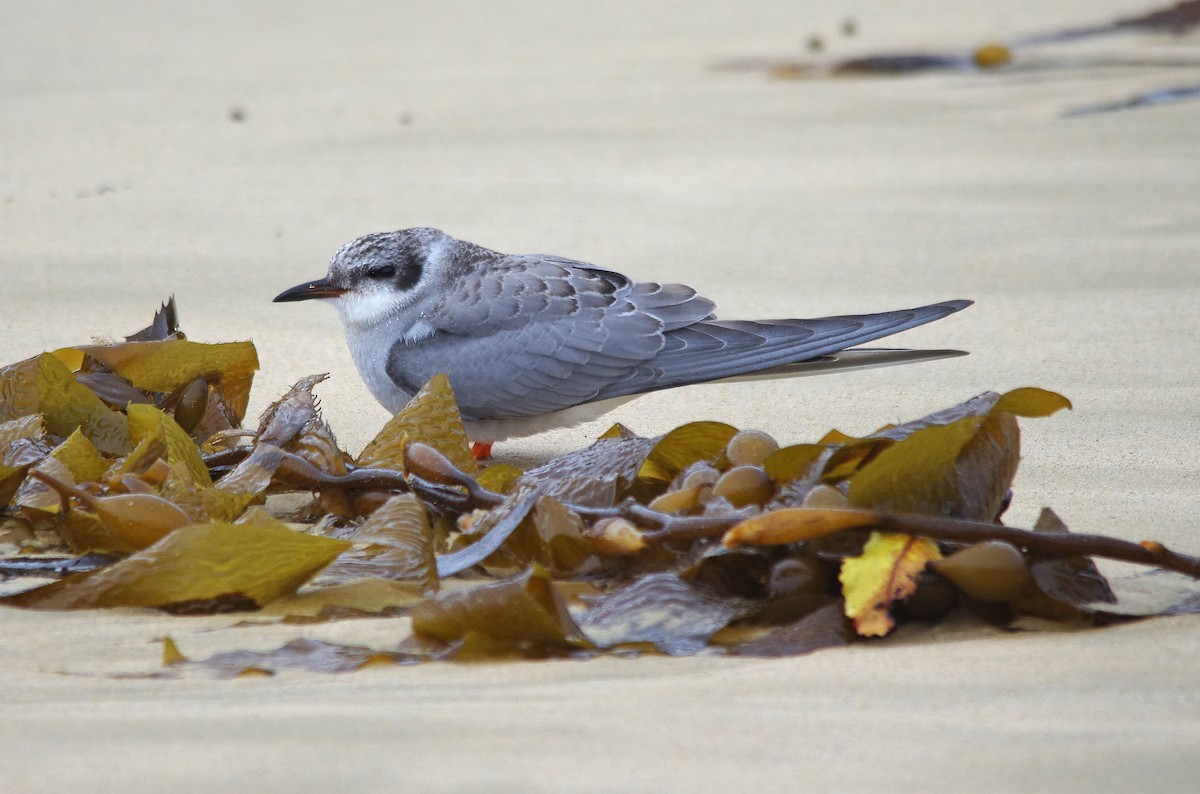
[222,152]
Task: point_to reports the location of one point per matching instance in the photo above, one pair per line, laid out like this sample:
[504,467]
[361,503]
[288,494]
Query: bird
[534,342]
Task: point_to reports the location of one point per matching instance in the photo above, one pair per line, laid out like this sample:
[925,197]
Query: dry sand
[596,130]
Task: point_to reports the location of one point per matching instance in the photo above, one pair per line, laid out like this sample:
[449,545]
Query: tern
[535,342]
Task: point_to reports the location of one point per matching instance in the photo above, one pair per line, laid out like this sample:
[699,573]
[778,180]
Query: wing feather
[713,350]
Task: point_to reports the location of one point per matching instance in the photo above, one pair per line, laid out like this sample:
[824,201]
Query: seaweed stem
[436,480]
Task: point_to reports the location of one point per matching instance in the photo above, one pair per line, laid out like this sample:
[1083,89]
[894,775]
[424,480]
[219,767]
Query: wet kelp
[128,481]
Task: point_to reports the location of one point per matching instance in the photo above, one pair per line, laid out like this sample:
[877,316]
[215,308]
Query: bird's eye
[381,272]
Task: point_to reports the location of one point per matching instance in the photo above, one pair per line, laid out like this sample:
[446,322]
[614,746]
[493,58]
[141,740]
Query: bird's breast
[371,349]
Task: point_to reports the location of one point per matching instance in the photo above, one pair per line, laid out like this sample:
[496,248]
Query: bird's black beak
[321,288]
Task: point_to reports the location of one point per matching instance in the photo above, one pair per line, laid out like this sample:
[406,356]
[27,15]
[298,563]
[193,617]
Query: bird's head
[377,276]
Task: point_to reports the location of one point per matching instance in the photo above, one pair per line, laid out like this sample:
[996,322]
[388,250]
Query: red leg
[482,450]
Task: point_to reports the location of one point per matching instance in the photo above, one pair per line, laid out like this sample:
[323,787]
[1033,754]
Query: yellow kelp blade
[887,571]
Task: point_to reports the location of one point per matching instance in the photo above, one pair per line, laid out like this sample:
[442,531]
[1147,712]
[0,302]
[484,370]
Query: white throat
[368,308]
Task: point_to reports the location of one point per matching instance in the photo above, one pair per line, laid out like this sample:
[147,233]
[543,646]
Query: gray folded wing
[714,349]
[533,335]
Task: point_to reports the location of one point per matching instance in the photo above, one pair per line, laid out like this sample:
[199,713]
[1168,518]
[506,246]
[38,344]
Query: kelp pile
[126,478]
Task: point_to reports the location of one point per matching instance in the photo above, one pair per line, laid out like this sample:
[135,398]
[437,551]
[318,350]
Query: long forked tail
[720,350]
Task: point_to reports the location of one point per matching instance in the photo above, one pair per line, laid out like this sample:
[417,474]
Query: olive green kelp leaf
[962,469]
[430,417]
[197,569]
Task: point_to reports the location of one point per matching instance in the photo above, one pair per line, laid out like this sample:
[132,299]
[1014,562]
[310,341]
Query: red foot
[482,450]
